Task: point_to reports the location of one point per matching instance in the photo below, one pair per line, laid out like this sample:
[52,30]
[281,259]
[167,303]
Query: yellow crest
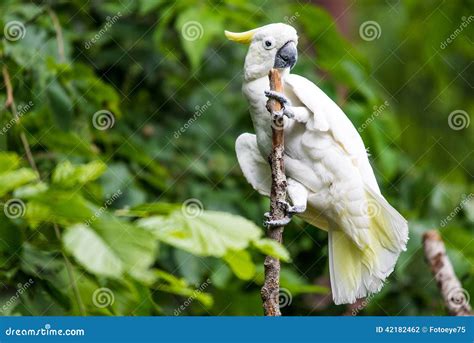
[240,37]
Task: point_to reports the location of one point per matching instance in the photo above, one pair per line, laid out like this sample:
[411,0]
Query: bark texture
[456,298]
[271,286]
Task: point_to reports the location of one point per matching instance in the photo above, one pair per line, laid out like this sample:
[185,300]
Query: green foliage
[105,216]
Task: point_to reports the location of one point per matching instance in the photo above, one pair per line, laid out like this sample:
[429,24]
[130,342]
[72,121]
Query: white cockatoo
[331,184]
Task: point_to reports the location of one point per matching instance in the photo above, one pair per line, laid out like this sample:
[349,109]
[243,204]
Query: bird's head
[271,46]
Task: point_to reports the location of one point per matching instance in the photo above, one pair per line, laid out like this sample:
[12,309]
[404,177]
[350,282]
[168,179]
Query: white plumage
[328,171]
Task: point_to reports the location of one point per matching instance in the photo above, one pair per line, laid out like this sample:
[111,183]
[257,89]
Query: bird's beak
[240,37]
[287,55]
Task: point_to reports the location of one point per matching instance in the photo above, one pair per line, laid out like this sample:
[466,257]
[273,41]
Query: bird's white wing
[256,170]
[328,116]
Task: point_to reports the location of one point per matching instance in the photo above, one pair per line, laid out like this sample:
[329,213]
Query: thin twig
[10,103]
[59,34]
[456,298]
[271,286]
[8,85]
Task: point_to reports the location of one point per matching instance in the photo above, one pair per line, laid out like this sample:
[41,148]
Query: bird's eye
[268,43]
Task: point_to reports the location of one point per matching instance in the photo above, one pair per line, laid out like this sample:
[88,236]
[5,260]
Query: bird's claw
[285,105]
[289,211]
[285,111]
[278,222]
[283,100]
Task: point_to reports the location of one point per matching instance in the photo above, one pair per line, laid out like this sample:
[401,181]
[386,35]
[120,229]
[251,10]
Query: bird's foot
[286,107]
[277,222]
[289,211]
[282,99]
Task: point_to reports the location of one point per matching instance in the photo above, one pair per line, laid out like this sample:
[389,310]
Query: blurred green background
[117,166]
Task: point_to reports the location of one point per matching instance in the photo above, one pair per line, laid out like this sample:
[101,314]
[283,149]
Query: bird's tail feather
[357,273]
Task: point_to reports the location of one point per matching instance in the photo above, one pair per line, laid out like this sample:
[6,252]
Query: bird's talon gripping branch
[290,210]
[283,100]
[286,107]
[279,222]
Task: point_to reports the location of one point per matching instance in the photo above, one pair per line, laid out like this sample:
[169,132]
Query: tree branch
[456,298]
[271,286]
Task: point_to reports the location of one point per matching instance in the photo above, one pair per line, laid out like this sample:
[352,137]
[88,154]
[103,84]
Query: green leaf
[197,27]
[13,179]
[61,105]
[272,248]
[118,245]
[69,143]
[208,234]
[134,246]
[241,264]
[169,283]
[90,250]
[146,210]
[61,207]
[8,161]
[66,175]
[147,6]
